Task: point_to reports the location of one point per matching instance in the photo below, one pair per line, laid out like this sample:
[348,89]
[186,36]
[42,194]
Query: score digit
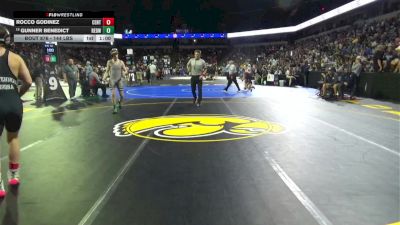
[108,30]
[108,21]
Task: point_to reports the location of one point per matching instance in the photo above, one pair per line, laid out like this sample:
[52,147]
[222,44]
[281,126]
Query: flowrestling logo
[197,128]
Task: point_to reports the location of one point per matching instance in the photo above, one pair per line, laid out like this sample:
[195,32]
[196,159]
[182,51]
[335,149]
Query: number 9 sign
[53,83]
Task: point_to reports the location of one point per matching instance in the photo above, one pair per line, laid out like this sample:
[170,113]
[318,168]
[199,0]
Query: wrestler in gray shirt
[195,66]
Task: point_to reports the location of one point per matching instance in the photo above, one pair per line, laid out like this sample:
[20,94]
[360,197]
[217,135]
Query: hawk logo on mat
[196,128]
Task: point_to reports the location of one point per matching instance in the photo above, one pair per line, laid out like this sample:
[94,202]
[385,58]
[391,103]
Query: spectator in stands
[396,61]
[153,72]
[352,80]
[83,81]
[95,83]
[159,74]
[389,57]
[37,77]
[379,58]
[146,71]
[290,76]
[328,81]
[225,71]
[137,73]
[174,71]
[338,82]
[305,70]
[71,75]
[88,68]
[131,75]
[216,71]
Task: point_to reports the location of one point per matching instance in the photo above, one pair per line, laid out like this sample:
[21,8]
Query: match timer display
[64,26]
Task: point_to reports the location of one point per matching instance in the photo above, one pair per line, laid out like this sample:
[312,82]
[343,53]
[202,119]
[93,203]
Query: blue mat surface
[184,91]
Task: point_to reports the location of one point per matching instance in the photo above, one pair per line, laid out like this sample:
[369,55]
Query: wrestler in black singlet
[10,101]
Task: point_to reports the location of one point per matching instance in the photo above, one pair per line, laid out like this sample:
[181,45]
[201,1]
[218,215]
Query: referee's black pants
[195,80]
[232,78]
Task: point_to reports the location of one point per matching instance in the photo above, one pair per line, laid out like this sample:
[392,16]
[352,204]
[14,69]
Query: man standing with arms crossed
[71,75]
[116,70]
[196,68]
[12,68]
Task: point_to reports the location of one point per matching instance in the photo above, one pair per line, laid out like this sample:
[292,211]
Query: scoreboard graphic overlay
[63,26]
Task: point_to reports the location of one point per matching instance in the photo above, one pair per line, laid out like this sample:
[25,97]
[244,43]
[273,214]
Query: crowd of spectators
[376,42]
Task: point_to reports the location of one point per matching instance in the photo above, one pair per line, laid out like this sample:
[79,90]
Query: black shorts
[10,114]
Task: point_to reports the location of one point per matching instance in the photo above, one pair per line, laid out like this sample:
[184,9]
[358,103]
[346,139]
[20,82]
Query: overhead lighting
[328,15]
[262,32]
[335,12]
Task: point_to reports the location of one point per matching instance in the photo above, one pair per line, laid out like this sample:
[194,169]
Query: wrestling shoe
[2,190]
[13,178]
